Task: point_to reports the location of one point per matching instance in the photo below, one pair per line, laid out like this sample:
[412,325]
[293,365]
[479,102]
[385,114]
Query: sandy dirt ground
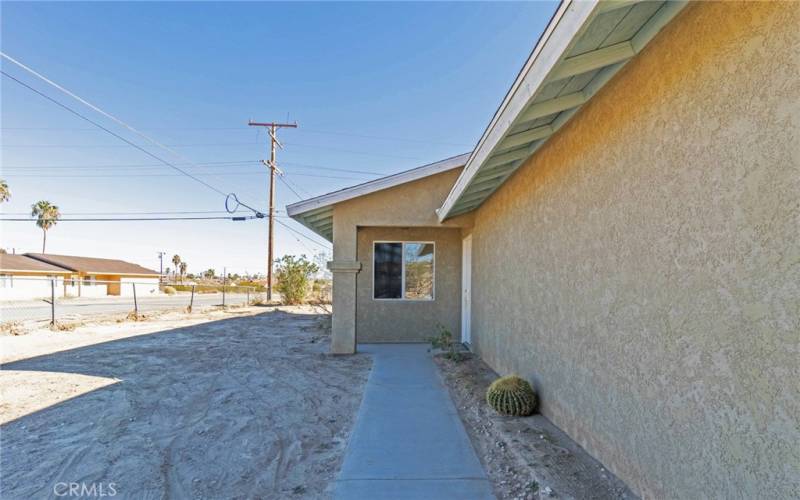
[526,458]
[238,404]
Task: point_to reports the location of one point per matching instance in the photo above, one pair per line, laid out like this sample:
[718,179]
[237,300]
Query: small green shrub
[512,395]
[444,341]
[294,274]
[169,290]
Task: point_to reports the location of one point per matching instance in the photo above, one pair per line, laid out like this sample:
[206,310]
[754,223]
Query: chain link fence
[54,299]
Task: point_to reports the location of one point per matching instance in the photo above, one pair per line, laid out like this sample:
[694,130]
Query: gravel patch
[526,457]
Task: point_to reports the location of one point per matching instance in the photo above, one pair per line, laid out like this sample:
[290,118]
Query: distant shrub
[169,290]
[12,328]
[320,291]
[61,326]
[294,274]
[257,287]
[198,288]
[134,316]
[512,395]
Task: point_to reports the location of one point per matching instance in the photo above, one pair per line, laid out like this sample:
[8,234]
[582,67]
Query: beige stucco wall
[644,268]
[410,320]
[408,205]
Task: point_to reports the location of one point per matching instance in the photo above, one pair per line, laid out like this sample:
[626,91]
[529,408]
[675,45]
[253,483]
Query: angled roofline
[44,267]
[380,184]
[56,260]
[499,151]
[317,213]
[514,100]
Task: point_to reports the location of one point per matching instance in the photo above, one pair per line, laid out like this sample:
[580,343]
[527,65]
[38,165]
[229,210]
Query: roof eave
[317,213]
[499,153]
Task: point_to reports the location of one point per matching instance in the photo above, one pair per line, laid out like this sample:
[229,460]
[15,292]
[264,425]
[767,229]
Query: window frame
[403,243]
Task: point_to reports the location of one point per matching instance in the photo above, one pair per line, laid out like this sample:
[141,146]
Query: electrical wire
[286,183]
[143,166]
[319,167]
[216,145]
[351,151]
[227,174]
[134,165]
[304,130]
[182,212]
[113,118]
[290,228]
[79,115]
[100,146]
[128,219]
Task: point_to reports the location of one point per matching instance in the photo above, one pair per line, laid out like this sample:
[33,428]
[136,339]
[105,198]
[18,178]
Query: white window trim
[403,270]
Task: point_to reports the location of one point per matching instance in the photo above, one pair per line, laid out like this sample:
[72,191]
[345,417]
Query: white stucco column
[343,323]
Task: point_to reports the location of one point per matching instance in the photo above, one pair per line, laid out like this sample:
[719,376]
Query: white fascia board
[567,23]
[377,185]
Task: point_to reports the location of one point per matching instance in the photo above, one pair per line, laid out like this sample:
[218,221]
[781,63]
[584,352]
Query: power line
[182,212]
[215,145]
[238,129]
[320,167]
[286,183]
[136,219]
[134,165]
[115,119]
[298,174]
[385,138]
[226,164]
[100,146]
[299,188]
[79,115]
[290,228]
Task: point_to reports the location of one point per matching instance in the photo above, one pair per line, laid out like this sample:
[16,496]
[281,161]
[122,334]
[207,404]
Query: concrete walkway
[408,441]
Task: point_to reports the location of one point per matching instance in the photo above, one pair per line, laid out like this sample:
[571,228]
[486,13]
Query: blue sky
[374,87]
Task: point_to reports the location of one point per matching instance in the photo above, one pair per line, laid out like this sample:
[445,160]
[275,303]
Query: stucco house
[625,235]
[28,276]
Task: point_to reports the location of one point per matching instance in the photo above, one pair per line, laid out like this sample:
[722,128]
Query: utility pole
[160,267]
[273,167]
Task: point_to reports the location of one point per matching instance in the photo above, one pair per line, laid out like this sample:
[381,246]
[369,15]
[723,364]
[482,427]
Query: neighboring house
[76,276]
[625,235]
[22,277]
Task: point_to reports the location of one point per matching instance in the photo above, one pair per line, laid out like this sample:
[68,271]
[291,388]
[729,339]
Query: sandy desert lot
[243,403]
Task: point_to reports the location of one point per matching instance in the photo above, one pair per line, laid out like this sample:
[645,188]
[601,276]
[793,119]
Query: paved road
[40,310]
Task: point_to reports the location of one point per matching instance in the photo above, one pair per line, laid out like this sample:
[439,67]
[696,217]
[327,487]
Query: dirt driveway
[244,407]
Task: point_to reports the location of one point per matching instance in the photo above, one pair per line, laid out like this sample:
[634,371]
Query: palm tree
[47,216]
[5,193]
[183,270]
[176,259]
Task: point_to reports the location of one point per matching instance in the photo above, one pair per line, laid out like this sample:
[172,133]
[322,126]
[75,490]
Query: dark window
[388,270]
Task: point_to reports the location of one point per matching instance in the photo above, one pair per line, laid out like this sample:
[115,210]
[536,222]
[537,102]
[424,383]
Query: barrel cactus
[512,395]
